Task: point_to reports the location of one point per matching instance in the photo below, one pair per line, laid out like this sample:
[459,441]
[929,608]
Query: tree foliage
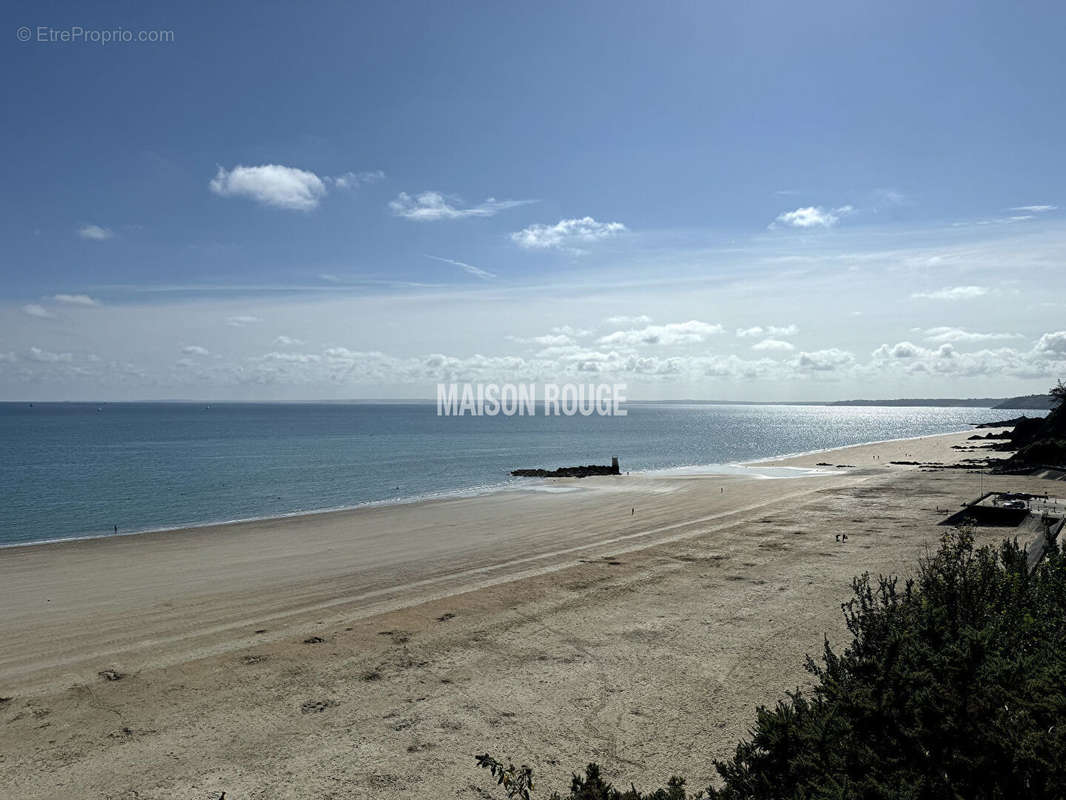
[1058,393]
[516,781]
[1041,441]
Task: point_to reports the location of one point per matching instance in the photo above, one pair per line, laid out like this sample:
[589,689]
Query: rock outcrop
[1037,442]
[570,472]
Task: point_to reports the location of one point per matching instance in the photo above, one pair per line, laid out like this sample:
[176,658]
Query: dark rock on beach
[1006,423]
[570,472]
[1037,442]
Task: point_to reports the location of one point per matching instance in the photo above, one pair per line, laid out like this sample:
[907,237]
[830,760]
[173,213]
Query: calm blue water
[72,470]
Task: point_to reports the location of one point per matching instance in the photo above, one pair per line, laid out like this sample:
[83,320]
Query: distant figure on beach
[845,538]
[838,537]
[632,511]
[723,490]
[116,529]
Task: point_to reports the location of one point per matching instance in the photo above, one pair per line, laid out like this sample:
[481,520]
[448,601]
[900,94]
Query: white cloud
[1034,209]
[36,310]
[94,232]
[1052,344]
[948,334]
[287,341]
[812,217]
[47,357]
[669,334]
[900,350]
[829,360]
[351,180]
[272,185]
[568,330]
[241,320]
[773,344]
[1044,360]
[553,339]
[562,336]
[954,293]
[768,330]
[470,269]
[293,358]
[890,197]
[566,233]
[736,368]
[76,300]
[640,319]
[1032,212]
[195,350]
[431,206]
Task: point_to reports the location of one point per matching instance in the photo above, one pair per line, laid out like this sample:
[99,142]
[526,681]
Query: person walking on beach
[116,529]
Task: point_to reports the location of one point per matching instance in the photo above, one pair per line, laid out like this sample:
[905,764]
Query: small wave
[451,494]
[745,471]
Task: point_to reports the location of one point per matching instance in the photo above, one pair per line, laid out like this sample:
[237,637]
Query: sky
[761,201]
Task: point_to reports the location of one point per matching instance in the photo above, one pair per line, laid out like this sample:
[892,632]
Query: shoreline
[805,453]
[476,491]
[408,630]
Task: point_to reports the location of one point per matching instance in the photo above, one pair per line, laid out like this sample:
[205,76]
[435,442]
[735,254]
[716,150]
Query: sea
[71,470]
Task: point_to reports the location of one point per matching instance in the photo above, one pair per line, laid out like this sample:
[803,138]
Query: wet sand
[635,621]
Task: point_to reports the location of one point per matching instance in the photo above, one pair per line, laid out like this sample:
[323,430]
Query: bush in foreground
[952,687]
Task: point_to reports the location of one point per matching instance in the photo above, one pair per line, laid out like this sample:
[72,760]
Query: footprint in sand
[316,706]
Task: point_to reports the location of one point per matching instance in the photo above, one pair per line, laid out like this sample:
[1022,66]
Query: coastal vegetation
[953,685]
[1040,442]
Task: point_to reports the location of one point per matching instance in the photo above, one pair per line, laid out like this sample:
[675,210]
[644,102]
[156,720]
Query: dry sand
[373,653]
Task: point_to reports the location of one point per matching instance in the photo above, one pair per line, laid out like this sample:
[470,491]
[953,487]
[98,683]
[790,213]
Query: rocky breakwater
[570,472]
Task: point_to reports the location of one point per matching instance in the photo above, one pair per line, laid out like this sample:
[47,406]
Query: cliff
[1038,442]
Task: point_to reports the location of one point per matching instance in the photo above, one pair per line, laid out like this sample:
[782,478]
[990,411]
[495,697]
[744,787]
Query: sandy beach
[634,621]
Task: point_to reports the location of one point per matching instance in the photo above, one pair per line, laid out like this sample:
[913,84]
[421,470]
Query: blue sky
[762,200]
